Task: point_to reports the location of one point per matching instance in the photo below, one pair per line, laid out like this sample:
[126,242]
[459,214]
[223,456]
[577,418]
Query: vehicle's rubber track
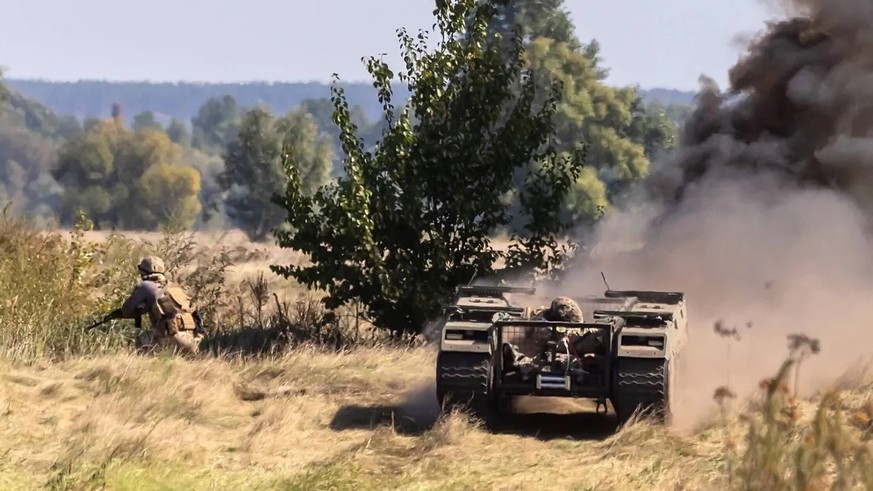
[462,381]
[641,383]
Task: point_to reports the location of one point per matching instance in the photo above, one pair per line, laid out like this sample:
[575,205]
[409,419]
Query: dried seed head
[723,393]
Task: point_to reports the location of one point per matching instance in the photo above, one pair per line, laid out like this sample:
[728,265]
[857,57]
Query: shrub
[49,289]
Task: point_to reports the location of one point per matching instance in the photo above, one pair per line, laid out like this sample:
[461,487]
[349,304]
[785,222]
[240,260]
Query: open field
[365,419]
[78,412]
[755,201]
[251,258]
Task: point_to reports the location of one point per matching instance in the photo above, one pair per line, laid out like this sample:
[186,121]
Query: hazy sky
[667,43]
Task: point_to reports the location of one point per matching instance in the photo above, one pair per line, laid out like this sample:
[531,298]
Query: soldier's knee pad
[186,341]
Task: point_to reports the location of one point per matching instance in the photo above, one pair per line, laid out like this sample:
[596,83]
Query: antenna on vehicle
[604,280]
[473,278]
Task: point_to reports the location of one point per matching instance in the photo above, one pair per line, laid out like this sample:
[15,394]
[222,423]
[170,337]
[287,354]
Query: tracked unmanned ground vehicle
[626,351]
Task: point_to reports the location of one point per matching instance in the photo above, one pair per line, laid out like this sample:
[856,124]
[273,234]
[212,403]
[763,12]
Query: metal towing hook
[601,403]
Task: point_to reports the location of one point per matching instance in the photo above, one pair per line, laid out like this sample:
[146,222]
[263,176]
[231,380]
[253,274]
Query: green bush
[50,287]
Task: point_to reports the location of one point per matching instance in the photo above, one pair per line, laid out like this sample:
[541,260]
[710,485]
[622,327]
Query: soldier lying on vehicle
[584,346]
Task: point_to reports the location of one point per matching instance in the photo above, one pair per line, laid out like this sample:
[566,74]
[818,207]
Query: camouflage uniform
[563,309]
[585,343]
[168,307]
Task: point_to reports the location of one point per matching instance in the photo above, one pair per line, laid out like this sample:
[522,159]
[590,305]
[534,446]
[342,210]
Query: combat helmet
[151,265]
[564,309]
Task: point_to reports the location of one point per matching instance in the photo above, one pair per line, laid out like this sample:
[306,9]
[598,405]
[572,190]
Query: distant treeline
[182,100]
[140,155]
[96,147]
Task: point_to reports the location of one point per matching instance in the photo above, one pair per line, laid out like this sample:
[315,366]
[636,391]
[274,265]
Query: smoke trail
[800,104]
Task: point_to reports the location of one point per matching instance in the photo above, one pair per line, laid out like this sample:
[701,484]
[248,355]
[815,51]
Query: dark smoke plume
[800,105]
[763,215]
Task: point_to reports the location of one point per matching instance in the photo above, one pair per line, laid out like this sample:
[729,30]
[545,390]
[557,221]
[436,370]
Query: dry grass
[250,258]
[199,423]
[77,412]
[362,419]
[53,283]
[365,419]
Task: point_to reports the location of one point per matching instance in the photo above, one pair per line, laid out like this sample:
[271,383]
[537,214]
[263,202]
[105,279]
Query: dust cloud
[756,257]
[763,214]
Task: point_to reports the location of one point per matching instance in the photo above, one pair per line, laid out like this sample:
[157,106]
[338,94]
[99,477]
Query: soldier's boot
[145,341]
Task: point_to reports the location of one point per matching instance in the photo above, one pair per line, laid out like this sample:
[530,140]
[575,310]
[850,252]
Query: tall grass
[55,283]
[785,451]
[789,445]
[51,285]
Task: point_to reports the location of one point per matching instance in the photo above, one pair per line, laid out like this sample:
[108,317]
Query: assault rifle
[137,321]
[115,314]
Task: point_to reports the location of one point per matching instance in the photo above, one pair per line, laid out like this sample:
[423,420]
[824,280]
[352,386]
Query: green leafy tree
[123,178]
[622,135]
[676,113]
[590,111]
[4,92]
[90,123]
[145,120]
[313,153]
[209,166]
[216,123]
[587,198]
[85,167]
[539,19]
[37,118]
[321,110]
[169,194]
[253,172]
[653,128]
[30,135]
[412,219]
[178,133]
[322,113]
